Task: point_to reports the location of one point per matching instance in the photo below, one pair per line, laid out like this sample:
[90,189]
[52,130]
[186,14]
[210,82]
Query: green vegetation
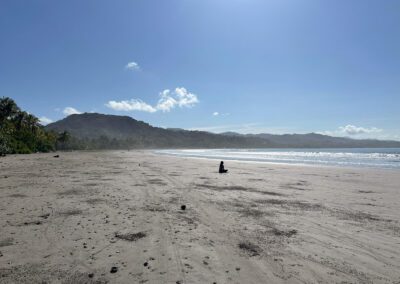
[21,132]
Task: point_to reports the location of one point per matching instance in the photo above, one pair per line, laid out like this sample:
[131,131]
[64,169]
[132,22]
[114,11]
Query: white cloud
[44,120]
[179,97]
[132,66]
[354,130]
[168,101]
[70,110]
[216,113]
[130,106]
[185,99]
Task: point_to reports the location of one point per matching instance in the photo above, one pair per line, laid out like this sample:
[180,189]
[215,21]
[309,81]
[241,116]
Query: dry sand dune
[116,217]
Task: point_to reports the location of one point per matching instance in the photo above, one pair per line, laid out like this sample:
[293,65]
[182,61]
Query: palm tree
[32,122]
[8,109]
[63,138]
[21,120]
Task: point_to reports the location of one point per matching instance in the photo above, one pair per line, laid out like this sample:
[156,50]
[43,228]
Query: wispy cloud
[180,97]
[352,130]
[44,120]
[70,110]
[132,66]
[244,128]
[217,113]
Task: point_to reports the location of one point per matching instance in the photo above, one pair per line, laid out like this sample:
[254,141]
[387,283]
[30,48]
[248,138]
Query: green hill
[101,131]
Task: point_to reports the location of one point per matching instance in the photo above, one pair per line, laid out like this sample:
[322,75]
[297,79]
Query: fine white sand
[71,219]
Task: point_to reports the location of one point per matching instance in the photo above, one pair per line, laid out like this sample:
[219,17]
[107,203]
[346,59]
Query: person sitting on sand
[222,168]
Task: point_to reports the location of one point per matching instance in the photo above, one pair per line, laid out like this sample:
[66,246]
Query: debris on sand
[183,207]
[250,248]
[90,275]
[132,237]
[114,269]
[56,156]
[145,264]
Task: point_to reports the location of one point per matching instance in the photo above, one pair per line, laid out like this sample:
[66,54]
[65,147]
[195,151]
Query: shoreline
[279,163]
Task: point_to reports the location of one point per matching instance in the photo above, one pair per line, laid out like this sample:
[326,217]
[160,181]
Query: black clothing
[222,168]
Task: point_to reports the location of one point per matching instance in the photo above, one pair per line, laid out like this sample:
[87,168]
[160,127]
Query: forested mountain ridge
[112,131]
[316,140]
[101,131]
[21,132]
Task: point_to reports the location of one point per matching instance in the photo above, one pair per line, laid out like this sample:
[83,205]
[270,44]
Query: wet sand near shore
[117,217]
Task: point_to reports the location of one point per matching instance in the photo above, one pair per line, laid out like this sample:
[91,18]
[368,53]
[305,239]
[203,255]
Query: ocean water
[351,157]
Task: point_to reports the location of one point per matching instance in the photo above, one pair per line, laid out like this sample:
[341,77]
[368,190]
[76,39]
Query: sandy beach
[116,217]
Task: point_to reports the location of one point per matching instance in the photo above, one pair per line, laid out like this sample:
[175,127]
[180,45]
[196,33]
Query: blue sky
[239,65]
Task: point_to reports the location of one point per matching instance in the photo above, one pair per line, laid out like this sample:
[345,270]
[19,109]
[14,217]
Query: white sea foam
[380,158]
